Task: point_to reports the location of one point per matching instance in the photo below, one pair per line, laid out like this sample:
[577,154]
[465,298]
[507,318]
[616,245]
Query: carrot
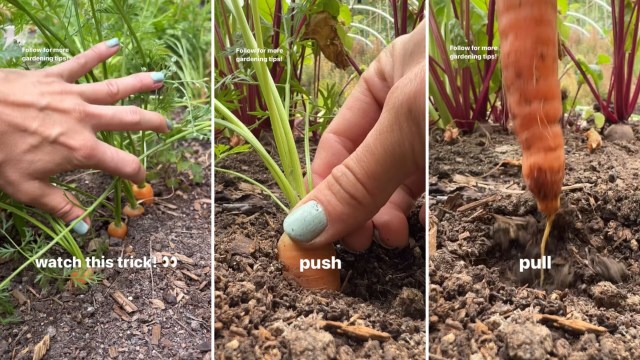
[290,255]
[133,211]
[116,231]
[143,192]
[78,277]
[529,56]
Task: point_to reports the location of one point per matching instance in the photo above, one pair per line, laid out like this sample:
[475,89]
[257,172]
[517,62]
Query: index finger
[73,69]
[353,122]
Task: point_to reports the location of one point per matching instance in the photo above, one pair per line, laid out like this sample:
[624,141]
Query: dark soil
[480,305]
[89,324]
[260,314]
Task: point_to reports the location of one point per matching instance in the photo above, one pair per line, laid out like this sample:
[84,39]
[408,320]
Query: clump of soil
[173,316]
[481,306]
[260,314]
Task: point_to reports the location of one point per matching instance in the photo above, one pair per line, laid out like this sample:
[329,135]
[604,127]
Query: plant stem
[307,154]
[96,20]
[251,181]
[575,97]
[128,192]
[168,142]
[117,203]
[132,32]
[76,9]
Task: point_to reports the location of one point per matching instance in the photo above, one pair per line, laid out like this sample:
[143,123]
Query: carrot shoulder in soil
[529,56]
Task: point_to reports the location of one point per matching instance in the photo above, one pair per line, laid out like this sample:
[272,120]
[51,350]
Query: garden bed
[481,306]
[174,304]
[260,314]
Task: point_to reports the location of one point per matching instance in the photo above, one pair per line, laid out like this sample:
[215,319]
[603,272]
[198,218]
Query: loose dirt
[260,314]
[481,306]
[173,316]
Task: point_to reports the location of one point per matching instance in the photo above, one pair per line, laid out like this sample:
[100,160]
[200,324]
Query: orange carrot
[133,212]
[78,277]
[144,193]
[290,253]
[529,56]
[118,232]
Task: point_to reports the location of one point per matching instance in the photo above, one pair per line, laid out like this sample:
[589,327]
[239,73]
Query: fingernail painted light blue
[113,42]
[81,227]
[306,222]
[169,124]
[157,76]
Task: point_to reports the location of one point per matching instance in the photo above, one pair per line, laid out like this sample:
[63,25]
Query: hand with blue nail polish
[48,125]
[369,167]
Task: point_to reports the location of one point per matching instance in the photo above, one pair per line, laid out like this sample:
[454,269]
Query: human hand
[369,167]
[48,125]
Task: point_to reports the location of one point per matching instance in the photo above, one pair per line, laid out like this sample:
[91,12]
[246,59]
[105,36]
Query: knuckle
[399,91]
[84,151]
[42,103]
[113,88]
[133,115]
[63,210]
[349,187]
[79,110]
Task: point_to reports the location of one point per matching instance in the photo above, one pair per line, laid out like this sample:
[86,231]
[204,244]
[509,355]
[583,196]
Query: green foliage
[464,73]
[331,6]
[344,15]
[598,120]
[618,23]
[328,98]
[220,151]
[7,310]
[592,70]
[266,9]
[178,168]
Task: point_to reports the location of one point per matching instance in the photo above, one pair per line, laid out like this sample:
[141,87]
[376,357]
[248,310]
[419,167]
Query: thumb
[357,188]
[57,202]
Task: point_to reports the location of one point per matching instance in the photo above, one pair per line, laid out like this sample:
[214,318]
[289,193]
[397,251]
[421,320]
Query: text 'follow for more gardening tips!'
[473,52]
[261,55]
[104,263]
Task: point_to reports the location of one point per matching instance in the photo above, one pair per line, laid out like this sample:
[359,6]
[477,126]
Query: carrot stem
[134,149]
[543,244]
[117,211]
[128,192]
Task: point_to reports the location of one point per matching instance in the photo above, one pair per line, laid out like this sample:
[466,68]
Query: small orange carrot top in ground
[81,277]
[118,232]
[143,193]
[133,212]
